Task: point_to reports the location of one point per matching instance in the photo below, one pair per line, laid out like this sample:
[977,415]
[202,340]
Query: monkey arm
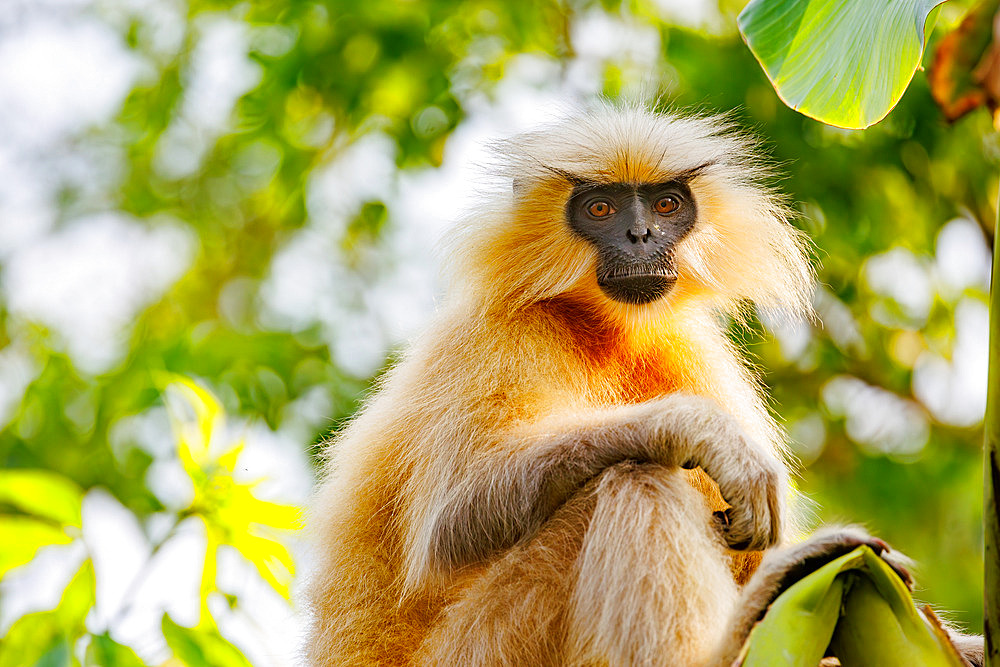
[504,494]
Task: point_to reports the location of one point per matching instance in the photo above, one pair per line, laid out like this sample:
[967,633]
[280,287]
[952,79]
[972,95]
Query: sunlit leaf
[231,512]
[202,646]
[106,652]
[272,559]
[29,639]
[228,460]
[244,509]
[21,537]
[43,493]
[843,62]
[194,437]
[37,636]
[252,527]
[209,568]
[59,655]
[856,605]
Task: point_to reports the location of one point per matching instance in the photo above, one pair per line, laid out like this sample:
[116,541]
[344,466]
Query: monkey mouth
[637,285]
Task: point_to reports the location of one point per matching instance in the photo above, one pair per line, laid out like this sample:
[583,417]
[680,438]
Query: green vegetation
[847,64]
[858,607]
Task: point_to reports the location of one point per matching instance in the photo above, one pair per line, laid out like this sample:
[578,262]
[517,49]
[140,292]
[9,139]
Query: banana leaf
[843,62]
[855,608]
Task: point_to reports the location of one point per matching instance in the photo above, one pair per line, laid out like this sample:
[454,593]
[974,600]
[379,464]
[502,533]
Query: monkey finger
[878,546]
[755,520]
[748,529]
[893,559]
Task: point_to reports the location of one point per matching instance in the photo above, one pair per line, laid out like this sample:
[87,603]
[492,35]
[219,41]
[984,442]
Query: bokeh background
[218,220]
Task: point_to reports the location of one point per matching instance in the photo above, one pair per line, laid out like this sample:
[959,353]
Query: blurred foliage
[47,509]
[321,78]
[964,74]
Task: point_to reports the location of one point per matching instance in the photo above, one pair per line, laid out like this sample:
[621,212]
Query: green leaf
[194,438]
[272,559]
[59,655]
[201,646]
[253,527]
[367,225]
[798,626]
[22,536]
[42,493]
[42,637]
[232,514]
[855,605]
[880,625]
[843,62]
[106,652]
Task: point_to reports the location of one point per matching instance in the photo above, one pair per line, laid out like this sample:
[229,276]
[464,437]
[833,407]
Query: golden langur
[573,466]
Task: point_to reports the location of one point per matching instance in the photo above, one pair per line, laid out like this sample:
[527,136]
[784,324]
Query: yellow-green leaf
[243,509]
[853,604]
[194,437]
[43,493]
[203,646]
[880,625]
[59,654]
[231,513]
[106,652]
[21,537]
[271,558]
[227,461]
[843,62]
[209,568]
[34,636]
[799,624]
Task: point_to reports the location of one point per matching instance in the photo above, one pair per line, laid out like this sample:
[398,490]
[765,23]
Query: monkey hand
[755,491]
[751,479]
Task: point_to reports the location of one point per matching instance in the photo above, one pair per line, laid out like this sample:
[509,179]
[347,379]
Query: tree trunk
[991,456]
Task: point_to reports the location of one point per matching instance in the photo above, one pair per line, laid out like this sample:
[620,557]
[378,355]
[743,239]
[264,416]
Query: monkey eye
[600,208]
[666,205]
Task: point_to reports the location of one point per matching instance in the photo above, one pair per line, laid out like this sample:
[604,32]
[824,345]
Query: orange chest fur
[642,377]
[621,374]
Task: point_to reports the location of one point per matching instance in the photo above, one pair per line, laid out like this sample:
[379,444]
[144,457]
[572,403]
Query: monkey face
[617,187]
[634,228]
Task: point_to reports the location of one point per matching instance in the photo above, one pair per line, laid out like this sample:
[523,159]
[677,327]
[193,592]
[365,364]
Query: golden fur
[514,491]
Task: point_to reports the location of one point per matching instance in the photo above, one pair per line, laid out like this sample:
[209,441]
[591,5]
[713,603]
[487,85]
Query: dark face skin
[634,228]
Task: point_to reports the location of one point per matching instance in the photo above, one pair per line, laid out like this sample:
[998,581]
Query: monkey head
[633,213]
[634,227]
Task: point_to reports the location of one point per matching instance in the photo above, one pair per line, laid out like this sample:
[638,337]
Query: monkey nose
[643,234]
